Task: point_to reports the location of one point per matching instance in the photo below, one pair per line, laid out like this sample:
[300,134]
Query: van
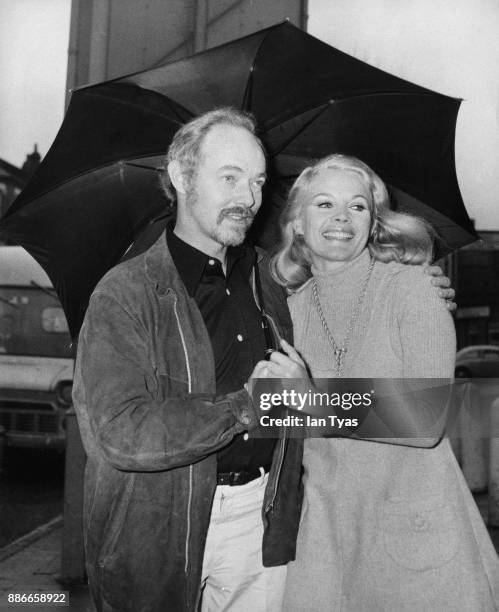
[36,362]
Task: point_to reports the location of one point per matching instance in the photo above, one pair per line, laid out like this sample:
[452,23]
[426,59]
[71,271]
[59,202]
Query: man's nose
[245,195]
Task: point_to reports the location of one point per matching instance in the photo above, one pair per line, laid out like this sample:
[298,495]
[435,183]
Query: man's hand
[279,365]
[445,291]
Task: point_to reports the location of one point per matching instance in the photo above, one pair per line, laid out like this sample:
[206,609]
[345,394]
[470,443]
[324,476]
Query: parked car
[478,361]
[36,363]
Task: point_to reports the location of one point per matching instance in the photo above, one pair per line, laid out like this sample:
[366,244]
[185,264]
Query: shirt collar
[191,262]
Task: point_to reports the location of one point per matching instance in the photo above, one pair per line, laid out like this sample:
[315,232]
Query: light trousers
[233,576]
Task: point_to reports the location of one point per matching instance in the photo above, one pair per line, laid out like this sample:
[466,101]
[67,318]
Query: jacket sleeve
[116,399]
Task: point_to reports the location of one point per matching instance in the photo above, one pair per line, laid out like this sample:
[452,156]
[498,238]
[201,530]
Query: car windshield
[32,323]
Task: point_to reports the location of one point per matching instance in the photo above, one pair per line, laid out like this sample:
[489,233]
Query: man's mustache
[237,210]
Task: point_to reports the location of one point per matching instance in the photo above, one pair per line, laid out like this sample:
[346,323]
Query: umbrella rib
[249,86]
[347,98]
[94,168]
[303,127]
[137,105]
[146,167]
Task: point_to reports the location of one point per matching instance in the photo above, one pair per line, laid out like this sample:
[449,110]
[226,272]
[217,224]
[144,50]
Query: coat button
[245,420]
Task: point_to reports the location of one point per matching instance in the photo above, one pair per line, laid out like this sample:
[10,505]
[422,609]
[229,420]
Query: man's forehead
[227,145]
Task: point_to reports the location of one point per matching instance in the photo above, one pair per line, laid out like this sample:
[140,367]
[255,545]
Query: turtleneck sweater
[384,526]
[403,328]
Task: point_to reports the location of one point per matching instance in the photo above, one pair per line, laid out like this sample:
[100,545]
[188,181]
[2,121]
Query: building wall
[12,180]
[110,38]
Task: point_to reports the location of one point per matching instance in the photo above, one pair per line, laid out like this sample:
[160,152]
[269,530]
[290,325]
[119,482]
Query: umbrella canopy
[97,188]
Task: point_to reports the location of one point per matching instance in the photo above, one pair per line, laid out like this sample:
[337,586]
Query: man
[174,487]
[175,490]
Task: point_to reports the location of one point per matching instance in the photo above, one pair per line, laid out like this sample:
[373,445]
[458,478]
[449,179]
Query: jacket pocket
[420,535]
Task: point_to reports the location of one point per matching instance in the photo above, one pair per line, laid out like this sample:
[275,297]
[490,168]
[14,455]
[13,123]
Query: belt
[236,479]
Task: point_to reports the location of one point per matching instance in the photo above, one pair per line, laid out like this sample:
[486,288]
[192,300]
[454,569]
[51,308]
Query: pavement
[32,564]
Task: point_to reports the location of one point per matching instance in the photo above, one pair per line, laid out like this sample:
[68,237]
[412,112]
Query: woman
[384,526]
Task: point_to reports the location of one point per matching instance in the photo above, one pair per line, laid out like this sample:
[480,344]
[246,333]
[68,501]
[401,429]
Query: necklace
[340,351]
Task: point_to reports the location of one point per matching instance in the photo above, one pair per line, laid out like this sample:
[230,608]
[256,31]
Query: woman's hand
[445,291]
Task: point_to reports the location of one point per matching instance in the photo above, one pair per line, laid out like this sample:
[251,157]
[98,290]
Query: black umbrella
[97,188]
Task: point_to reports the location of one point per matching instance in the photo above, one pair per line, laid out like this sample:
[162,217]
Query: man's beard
[225,232]
[229,232]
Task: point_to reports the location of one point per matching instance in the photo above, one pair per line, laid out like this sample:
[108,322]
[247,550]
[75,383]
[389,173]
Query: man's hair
[393,236]
[186,144]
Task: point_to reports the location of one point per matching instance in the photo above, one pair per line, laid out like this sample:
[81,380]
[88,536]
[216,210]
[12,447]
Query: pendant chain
[340,351]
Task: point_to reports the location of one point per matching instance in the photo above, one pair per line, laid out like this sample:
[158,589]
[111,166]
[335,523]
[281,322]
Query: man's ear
[177,177]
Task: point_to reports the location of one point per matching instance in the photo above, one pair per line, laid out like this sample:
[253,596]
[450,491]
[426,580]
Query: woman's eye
[229,178]
[324,204]
[358,206]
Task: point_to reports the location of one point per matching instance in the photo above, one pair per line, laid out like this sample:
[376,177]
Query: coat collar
[159,267]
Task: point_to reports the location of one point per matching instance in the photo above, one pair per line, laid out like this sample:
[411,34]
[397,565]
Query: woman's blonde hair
[393,236]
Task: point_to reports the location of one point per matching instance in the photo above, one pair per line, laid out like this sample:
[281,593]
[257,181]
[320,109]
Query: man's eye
[259,184]
[229,178]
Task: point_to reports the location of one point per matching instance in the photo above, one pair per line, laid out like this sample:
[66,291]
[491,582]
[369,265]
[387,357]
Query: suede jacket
[144,393]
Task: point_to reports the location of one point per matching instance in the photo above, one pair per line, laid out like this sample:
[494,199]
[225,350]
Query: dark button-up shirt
[234,325]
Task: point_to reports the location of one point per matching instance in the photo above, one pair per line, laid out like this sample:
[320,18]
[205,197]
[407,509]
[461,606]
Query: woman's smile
[335,220]
[332,234]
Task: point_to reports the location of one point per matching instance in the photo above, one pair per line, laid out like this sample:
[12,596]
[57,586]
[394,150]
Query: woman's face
[335,219]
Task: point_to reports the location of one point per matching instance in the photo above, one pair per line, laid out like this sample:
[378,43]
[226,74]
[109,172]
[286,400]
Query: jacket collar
[159,267]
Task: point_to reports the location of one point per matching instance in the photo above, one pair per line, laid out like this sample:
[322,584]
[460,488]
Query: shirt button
[246,436]
[211,262]
[239,337]
[227,292]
